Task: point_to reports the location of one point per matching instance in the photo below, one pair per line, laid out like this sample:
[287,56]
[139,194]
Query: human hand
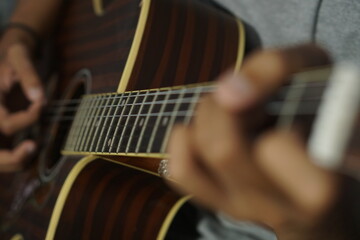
[16,67]
[270,180]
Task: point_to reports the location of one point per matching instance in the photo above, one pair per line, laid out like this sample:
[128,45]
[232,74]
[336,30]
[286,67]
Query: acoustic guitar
[102,137]
[98,173]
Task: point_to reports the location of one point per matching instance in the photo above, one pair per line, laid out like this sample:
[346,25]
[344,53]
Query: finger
[19,120]
[263,72]
[186,176]
[225,154]
[219,143]
[310,187]
[3,113]
[13,160]
[29,80]
[6,75]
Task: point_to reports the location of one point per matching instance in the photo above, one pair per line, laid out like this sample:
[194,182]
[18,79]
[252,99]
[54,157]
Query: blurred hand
[16,67]
[272,180]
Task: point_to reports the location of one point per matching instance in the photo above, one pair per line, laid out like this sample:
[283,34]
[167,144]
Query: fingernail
[34,94]
[30,148]
[235,91]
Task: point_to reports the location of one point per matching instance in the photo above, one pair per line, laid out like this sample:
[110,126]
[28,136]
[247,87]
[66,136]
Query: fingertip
[35,94]
[30,147]
[25,149]
[235,92]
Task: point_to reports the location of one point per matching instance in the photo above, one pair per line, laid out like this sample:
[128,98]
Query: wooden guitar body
[128,45]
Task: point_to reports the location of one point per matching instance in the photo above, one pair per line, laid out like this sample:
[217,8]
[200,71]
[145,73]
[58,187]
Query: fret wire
[92,124]
[103,124]
[111,124]
[145,125]
[157,124]
[125,137]
[120,117]
[178,115]
[82,123]
[135,123]
[126,122]
[171,122]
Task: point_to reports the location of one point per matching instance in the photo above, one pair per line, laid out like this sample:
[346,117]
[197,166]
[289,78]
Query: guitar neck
[131,123]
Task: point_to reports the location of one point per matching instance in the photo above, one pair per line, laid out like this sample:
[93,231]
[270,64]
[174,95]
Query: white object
[336,116]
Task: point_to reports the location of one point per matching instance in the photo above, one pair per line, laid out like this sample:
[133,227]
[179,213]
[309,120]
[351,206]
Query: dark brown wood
[116,202]
[184,42]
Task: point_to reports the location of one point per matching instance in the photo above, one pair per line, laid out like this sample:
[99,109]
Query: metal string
[185,100]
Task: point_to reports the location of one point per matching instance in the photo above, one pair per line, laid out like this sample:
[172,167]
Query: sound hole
[62,113]
[63,123]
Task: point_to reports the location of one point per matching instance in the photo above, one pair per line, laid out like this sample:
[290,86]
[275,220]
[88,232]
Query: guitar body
[127,45]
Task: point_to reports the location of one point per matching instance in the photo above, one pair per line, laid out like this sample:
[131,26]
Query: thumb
[20,60]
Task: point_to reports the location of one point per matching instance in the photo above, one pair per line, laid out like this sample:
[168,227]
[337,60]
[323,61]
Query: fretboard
[138,122]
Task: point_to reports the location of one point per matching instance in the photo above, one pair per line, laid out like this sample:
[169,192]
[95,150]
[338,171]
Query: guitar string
[273,108]
[160,102]
[150,92]
[303,111]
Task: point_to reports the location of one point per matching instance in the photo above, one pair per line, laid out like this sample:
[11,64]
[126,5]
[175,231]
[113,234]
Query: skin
[270,180]
[16,66]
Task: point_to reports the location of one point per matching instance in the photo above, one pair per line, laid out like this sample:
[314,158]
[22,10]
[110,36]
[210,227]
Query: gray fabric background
[6,8]
[286,22]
